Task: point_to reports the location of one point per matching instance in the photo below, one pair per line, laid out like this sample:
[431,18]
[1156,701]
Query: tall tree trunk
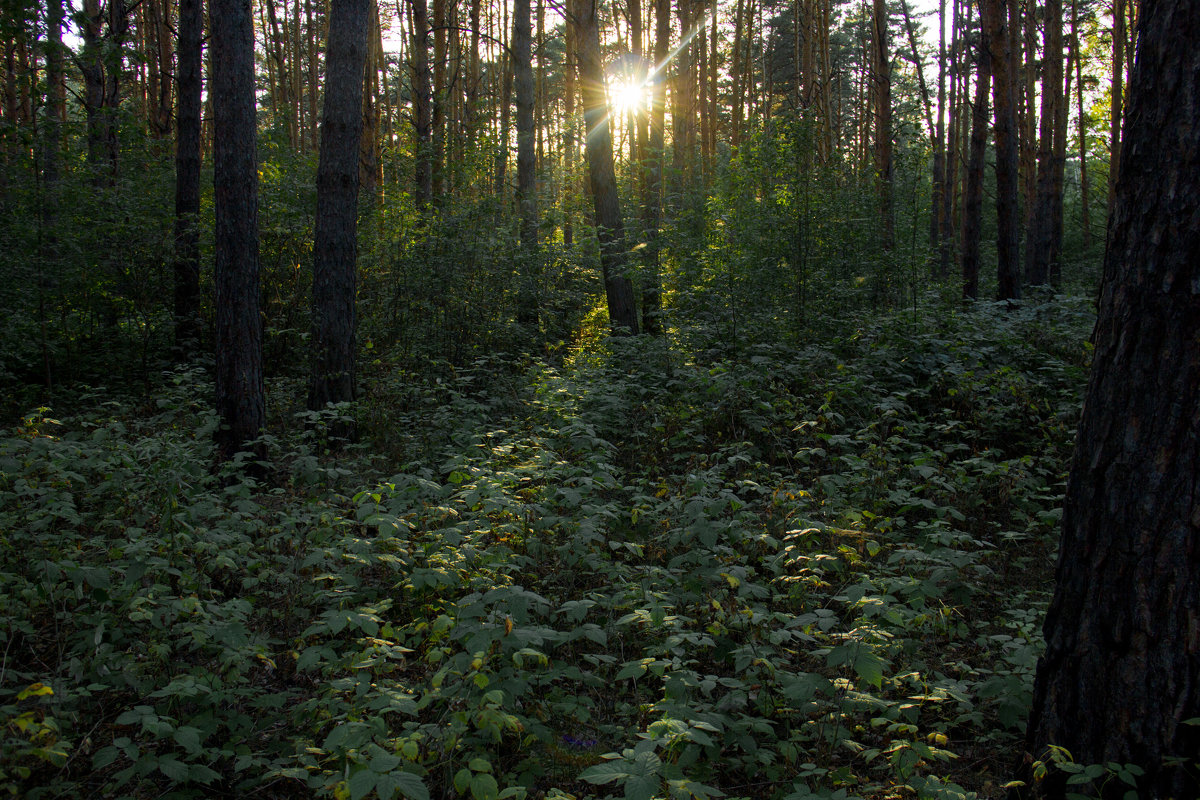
[998,33]
[312,83]
[540,100]
[1058,173]
[1120,679]
[441,97]
[12,116]
[736,71]
[941,215]
[51,177]
[957,122]
[610,228]
[91,67]
[239,377]
[881,81]
[1027,120]
[570,142]
[187,179]
[683,123]
[522,61]
[505,100]
[369,157]
[1042,250]
[652,183]
[335,243]
[973,192]
[1118,97]
[1084,187]
[278,46]
[422,101]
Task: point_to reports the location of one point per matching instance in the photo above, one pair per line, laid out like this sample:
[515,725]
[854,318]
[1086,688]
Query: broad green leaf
[361,784]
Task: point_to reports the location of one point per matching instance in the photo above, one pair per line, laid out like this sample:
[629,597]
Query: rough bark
[973,192]
[1043,248]
[655,170]
[998,35]
[523,82]
[51,176]
[1121,673]
[239,379]
[1118,97]
[610,228]
[187,179]
[440,97]
[941,215]
[335,243]
[881,77]
[1084,184]
[370,163]
[422,101]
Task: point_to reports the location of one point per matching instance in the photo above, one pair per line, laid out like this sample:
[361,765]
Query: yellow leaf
[35,690]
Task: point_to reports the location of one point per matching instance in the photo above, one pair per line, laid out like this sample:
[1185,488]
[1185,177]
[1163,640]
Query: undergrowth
[814,569]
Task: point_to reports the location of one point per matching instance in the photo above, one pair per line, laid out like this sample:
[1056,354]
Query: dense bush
[807,569]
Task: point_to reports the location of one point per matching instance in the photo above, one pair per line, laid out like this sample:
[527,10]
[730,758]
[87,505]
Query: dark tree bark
[335,243]
[422,101]
[51,169]
[239,379]
[973,193]
[441,98]
[1043,246]
[1121,673]
[881,78]
[1084,184]
[610,228]
[187,179]
[998,35]
[370,162]
[655,170]
[941,211]
[522,60]
[1118,97]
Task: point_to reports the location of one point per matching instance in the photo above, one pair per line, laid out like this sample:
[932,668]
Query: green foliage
[774,570]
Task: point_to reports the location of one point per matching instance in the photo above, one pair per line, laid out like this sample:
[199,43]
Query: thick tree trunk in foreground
[187,179]
[1121,673]
[335,244]
[240,402]
[610,228]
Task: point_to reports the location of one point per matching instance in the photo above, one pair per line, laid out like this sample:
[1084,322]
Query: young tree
[187,178]
[1120,679]
[239,378]
[335,248]
[610,228]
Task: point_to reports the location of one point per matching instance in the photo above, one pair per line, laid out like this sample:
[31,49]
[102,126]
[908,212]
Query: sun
[627,94]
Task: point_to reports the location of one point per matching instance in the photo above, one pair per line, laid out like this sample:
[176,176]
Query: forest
[583,399]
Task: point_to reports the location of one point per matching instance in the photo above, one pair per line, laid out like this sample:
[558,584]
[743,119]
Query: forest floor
[687,567]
